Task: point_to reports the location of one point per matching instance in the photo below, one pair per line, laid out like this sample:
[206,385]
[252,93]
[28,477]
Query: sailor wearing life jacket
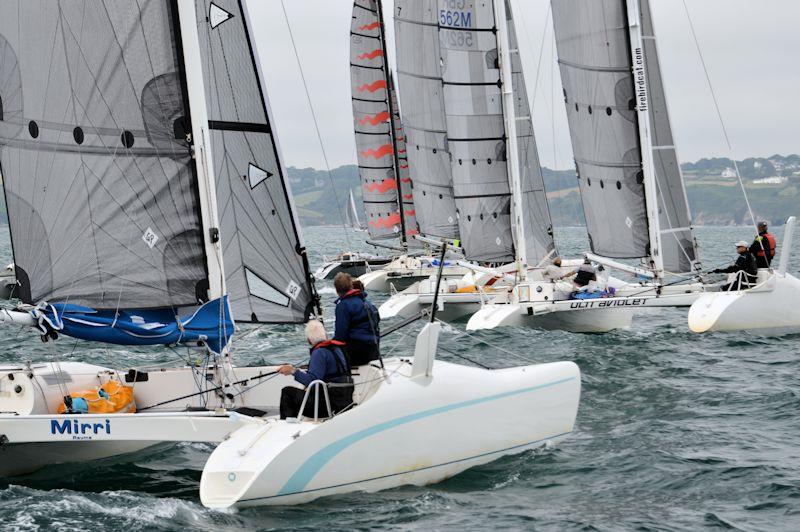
[763,247]
[744,267]
[585,274]
[357,322]
[328,364]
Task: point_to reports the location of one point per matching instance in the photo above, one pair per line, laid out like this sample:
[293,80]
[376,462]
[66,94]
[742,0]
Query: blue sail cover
[210,324]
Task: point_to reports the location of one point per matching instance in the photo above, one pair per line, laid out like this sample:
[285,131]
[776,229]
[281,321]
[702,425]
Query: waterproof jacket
[763,248]
[746,262]
[323,364]
[356,319]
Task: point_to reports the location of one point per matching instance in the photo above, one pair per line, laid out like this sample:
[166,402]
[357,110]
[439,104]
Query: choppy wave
[675,432]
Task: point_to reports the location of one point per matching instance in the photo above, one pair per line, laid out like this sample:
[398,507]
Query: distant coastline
[715,198]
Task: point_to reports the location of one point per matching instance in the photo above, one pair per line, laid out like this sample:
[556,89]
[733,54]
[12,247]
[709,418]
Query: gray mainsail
[422,102]
[266,266]
[678,245]
[98,172]
[476,131]
[596,71]
[373,122]
[477,138]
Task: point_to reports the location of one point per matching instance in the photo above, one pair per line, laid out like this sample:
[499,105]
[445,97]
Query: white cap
[742,244]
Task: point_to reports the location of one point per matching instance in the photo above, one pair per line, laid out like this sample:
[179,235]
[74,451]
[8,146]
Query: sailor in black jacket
[745,266]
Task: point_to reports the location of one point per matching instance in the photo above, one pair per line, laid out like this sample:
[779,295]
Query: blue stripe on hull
[309,469]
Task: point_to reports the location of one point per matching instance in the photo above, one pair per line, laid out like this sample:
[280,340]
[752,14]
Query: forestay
[678,245]
[373,122]
[596,70]
[422,102]
[477,137]
[266,267]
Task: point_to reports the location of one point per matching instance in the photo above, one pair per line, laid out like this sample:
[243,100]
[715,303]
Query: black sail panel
[265,265]
[101,194]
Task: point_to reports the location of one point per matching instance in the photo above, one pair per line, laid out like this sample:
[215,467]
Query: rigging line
[316,123]
[719,115]
[495,346]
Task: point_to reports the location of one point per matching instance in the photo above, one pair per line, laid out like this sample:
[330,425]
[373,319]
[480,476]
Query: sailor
[555,272]
[585,274]
[763,247]
[357,322]
[745,268]
[328,364]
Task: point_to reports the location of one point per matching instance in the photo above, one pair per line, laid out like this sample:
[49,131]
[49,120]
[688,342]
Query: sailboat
[631,186]
[351,215]
[176,223]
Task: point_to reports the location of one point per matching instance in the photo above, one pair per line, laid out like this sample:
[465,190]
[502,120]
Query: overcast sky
[751,48]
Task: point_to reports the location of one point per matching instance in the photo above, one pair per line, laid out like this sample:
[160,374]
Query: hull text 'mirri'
[75,427]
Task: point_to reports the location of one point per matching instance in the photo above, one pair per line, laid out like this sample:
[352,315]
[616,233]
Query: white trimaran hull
[546,304]
[769,308]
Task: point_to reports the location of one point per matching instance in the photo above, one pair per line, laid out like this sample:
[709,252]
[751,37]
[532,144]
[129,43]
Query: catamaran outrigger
[148,205]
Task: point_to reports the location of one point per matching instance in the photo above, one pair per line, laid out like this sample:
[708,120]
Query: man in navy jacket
[328,364]
[357,322]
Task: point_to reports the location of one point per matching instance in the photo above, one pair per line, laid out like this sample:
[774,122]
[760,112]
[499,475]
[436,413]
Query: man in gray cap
[745,268]
[763,247]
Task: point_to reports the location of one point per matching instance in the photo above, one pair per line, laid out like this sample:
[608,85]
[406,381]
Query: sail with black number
[476,136]
[596,61]
[421,93]
[266,266]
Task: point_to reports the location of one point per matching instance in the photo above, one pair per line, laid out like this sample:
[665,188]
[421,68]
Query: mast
[193,66]
[392,130]
[510,122]
[645,134]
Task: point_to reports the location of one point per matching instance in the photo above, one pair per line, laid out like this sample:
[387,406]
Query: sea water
[675,431]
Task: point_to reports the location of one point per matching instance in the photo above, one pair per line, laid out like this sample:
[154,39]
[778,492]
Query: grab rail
[317,383]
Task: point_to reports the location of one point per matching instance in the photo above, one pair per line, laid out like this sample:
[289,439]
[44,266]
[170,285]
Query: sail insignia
[257,175]
[217,15]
